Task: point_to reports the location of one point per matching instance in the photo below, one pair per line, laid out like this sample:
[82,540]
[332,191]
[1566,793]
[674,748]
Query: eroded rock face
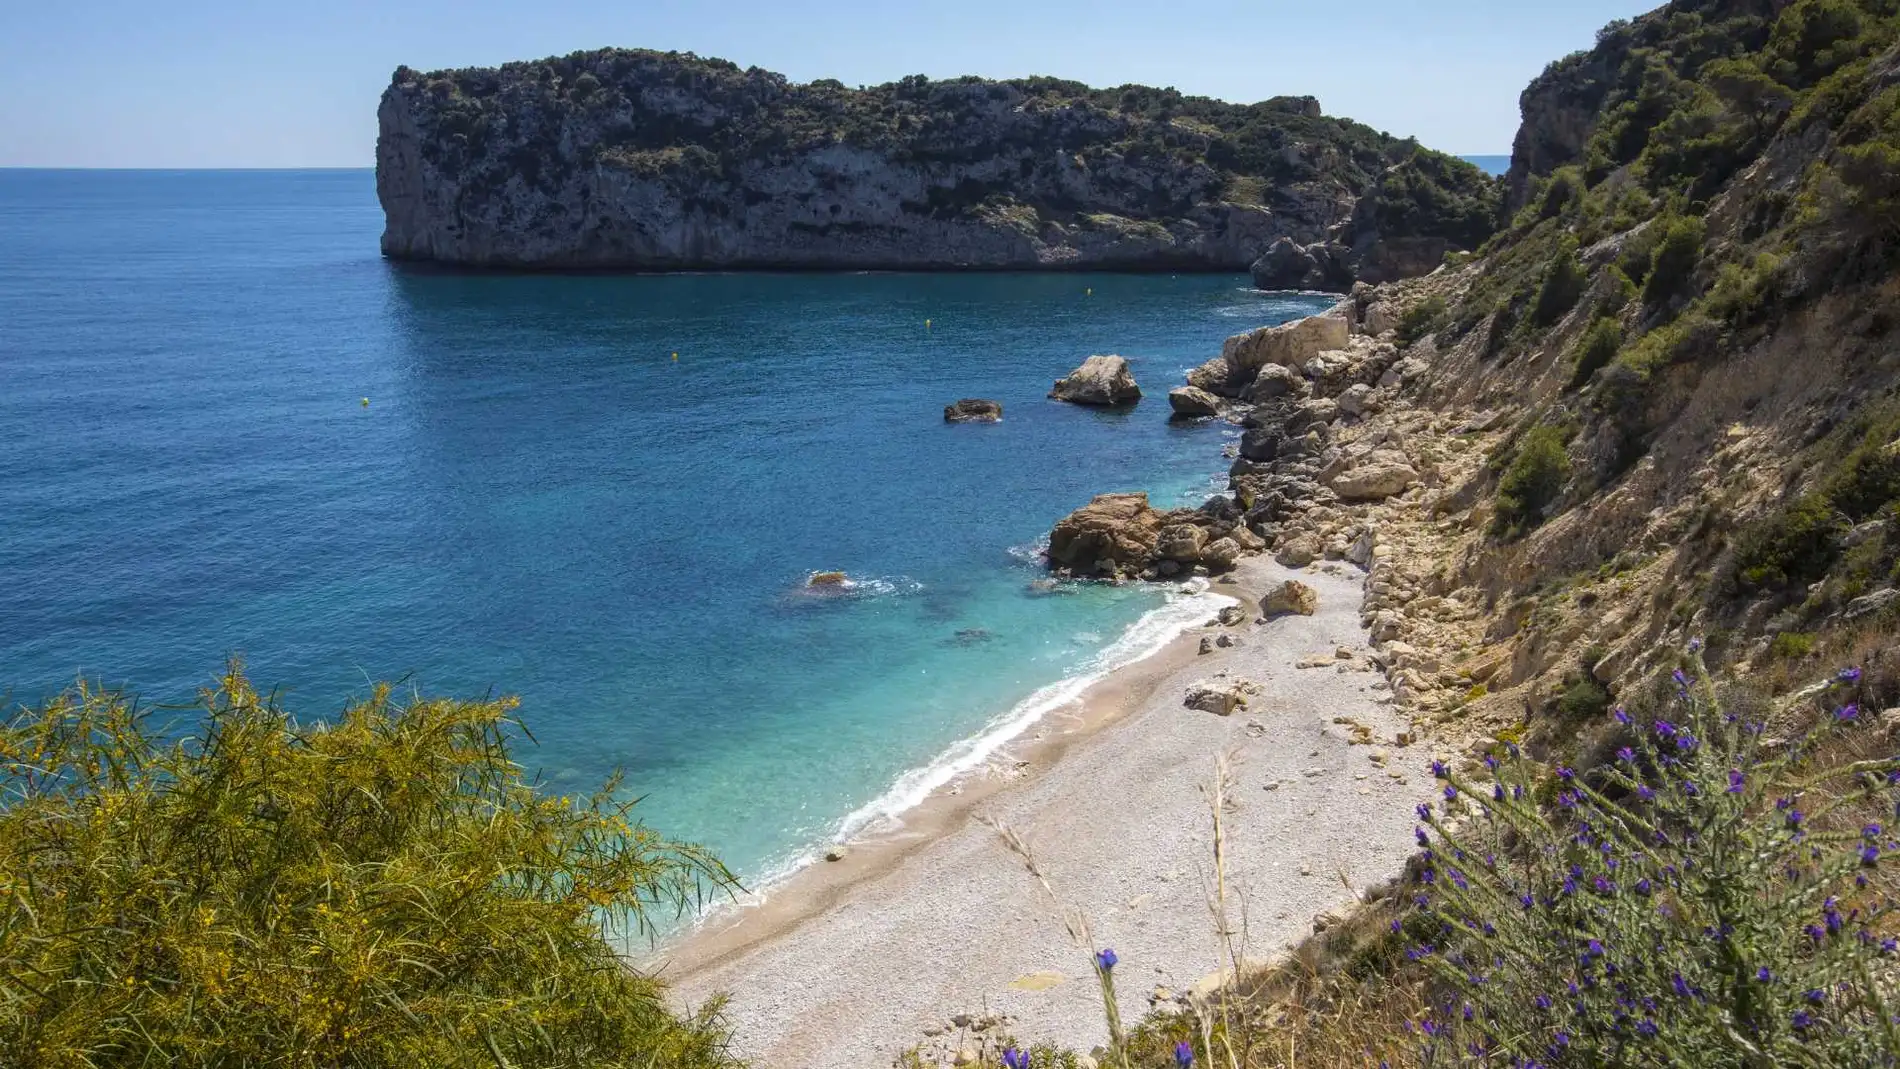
[1290,345]
[1101,380]
[1190,402]
[973,410]
[1117,530]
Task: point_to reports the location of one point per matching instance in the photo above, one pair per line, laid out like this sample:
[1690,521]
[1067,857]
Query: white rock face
[1378,476]
[1291,345]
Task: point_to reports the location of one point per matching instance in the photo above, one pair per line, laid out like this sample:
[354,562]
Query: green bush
[384,892]
[1697,902]
[1791,645]
[1598,346]
[1584,698]
[1562,286]
[1796,545]
[1678,249]
[1533,479]
[1869,480]
[1425,317]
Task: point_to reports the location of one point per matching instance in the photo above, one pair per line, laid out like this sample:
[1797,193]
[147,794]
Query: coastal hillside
[1654,425]
[634,159]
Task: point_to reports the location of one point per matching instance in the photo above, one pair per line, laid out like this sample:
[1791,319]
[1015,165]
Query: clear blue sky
[257,83]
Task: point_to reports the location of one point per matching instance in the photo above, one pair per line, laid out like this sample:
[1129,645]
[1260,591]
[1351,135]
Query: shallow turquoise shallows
[539,499]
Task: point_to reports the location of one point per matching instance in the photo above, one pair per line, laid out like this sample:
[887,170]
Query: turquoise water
[539,500]
[1492,165]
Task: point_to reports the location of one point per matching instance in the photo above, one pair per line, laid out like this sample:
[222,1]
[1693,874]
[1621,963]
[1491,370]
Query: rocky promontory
[629,159]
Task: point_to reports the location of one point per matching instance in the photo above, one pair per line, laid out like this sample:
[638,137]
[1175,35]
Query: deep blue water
[539,500]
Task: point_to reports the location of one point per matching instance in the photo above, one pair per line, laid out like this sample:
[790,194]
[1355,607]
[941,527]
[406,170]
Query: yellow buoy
[365,402]
[926,324]
[676,356]
[1090,292]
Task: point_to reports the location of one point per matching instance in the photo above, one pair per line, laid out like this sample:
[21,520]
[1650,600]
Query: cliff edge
[627,159]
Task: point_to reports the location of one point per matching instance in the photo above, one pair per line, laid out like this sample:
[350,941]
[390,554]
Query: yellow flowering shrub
[387,890]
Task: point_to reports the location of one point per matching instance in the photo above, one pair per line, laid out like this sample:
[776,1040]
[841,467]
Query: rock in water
[833,580]
[1190,402]
[973,410]
[1119,530]
[1101,380]
[1290,598]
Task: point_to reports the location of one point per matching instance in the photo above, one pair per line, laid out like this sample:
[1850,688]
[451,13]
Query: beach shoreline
[934,918]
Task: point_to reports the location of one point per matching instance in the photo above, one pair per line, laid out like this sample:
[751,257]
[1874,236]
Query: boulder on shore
[1218,696]
[1190,402]
[1101,380]
[1381,475]
[1288,599]
[973,410]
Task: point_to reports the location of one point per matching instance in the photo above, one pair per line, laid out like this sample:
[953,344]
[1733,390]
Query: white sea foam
[1189,605]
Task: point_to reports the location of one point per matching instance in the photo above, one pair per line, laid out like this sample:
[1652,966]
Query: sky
[265,83]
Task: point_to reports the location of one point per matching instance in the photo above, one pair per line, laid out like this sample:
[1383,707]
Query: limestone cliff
[644,160]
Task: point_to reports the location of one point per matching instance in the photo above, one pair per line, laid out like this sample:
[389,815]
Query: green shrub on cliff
[1598,346]
[383,891]
[1678,249]
[1533,479]
[1562,286]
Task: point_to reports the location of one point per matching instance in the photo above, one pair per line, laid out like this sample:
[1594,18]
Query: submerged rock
[973,410]
[1101,380]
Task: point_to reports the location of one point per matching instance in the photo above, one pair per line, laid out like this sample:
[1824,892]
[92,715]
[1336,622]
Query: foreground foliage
[383,891]
[1705,899]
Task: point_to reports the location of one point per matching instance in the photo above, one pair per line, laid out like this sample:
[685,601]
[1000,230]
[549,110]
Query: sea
[229,428]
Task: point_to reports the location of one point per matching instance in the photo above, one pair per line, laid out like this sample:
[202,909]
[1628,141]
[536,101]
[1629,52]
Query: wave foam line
[1191,607]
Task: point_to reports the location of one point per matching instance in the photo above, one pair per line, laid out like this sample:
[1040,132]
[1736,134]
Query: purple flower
[1016,1059]
[1850,711]
[1871,831]
[1890,945]
[1604,886]
[1681,986]
[1847,675]
[1665,729]
[1183,1054]
[1681,680]
[1646,1028]
[1642,886]
[1622,717]
[1543,1002]
[1816,996]
[1794,818]
[1526,900]
[1626,755]
[1565,773]
[1644,792]
[1869,854]
[1802,1020]
[1490,762]
[1439,770]
[1105,959]
[1764,975]
[1685,741]
[1593,950]
[1424,812]
[1568,799]
[1695,645]
[1497,792]
[1423,840]
[1451,792]
[1735,781]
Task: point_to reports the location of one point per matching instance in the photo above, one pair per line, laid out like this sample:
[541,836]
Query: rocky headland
[639,160]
